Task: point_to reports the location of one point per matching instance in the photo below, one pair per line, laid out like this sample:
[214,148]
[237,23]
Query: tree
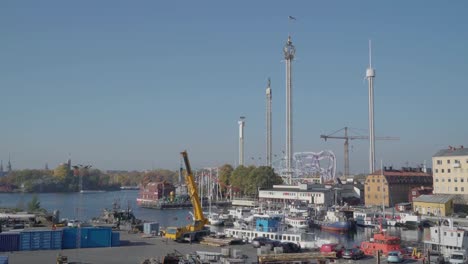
[34,205]
[261,177]
[239,177]
[225,175]
[61,172]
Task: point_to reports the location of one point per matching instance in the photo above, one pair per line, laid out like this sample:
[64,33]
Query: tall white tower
[370,75]
[269,153]
[289,51]
[241,123]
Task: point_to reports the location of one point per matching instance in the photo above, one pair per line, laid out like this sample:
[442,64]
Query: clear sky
[130,84]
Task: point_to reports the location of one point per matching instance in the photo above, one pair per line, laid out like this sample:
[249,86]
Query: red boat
[381,241]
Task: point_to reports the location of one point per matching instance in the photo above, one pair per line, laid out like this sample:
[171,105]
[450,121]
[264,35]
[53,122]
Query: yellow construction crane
[197,229]
[346,137]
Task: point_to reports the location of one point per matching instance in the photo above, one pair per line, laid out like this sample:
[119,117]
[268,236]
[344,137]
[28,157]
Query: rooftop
[440,198]
[452,152]
[403,172]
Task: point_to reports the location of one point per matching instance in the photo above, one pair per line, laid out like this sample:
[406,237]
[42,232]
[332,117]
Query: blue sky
[129,84]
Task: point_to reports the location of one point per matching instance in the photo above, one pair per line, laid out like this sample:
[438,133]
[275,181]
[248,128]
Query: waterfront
[85,206]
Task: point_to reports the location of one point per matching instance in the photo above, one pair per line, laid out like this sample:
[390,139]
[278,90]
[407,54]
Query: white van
[458,257]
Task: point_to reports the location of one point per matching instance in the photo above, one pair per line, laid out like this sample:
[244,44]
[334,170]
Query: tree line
[242,181]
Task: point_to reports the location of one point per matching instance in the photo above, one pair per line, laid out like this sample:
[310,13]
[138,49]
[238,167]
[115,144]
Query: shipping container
[90,237]
[3,259]
[151,228]
[69,238]
[40,240]
[115,239]
[9,242]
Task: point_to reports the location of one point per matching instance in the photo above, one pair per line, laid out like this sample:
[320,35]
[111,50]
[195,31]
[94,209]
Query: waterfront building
[446,238]
[438,205]
[389,187]
[302,193]
[418,191]
[451,171]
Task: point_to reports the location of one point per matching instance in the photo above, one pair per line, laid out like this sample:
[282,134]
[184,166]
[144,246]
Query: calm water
[88,205]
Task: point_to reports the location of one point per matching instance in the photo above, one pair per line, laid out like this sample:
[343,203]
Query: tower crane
[347,138]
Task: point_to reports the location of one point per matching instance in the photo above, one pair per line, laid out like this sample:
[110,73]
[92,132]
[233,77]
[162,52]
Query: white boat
[214,219]
[446,238]
[369,219]
[297,222]
[283,236]
[92,191]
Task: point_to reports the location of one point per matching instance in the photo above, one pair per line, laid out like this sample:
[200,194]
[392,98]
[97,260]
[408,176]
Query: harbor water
[85,206]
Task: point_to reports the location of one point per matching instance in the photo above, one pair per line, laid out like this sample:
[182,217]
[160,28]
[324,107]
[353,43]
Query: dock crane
[347,138]
[197,228]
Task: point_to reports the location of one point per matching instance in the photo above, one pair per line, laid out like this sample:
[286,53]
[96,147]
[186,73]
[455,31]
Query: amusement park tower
[289,51]
[370,75]
[241,123]
[268,125]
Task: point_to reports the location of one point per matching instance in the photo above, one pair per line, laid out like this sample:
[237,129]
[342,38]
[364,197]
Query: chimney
[385,168]
[461,146]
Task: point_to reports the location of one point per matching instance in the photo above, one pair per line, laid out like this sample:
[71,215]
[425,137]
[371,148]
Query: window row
[450,179]
[439,162]
[455,189]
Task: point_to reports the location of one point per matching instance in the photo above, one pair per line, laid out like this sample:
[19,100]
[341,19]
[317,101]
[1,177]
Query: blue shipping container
[90,237]
[115,239]
[3,259]
[96,237]
[9,242]
[40,240]
[69,238]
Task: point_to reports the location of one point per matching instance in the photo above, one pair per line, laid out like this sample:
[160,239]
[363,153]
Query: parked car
[332,247]
[353,253]
[263,241]
[290,247]
[394,257]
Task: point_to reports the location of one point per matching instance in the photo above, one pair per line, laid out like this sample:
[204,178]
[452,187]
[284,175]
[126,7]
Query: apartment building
[450,171]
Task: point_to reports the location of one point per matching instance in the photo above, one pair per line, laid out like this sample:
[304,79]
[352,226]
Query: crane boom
[197,228]
[192,190]
[346,144]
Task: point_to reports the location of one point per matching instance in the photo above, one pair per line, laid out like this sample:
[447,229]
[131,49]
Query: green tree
[239,178]
[261,177]
[34,205]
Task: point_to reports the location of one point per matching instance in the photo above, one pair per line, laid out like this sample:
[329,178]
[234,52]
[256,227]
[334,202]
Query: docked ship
[162,195]
[335,221]
[271,227]
[446,238]
[382,242]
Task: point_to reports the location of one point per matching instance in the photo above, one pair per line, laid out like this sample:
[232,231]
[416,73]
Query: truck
[458,257]
[435,257]
[197,229]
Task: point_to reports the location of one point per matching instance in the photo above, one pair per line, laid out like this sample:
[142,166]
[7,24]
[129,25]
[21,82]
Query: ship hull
[340,226]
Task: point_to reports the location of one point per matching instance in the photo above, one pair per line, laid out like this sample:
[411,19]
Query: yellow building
[450,168]
[438,205]
[393,186]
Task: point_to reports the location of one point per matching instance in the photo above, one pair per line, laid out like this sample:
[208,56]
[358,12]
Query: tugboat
[381,241]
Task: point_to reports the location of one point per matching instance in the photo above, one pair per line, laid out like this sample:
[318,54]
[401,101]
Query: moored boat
[336,221]
[297,222]
[381,241]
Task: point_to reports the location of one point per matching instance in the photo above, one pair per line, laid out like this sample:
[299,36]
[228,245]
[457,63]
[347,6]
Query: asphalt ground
[135,249]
